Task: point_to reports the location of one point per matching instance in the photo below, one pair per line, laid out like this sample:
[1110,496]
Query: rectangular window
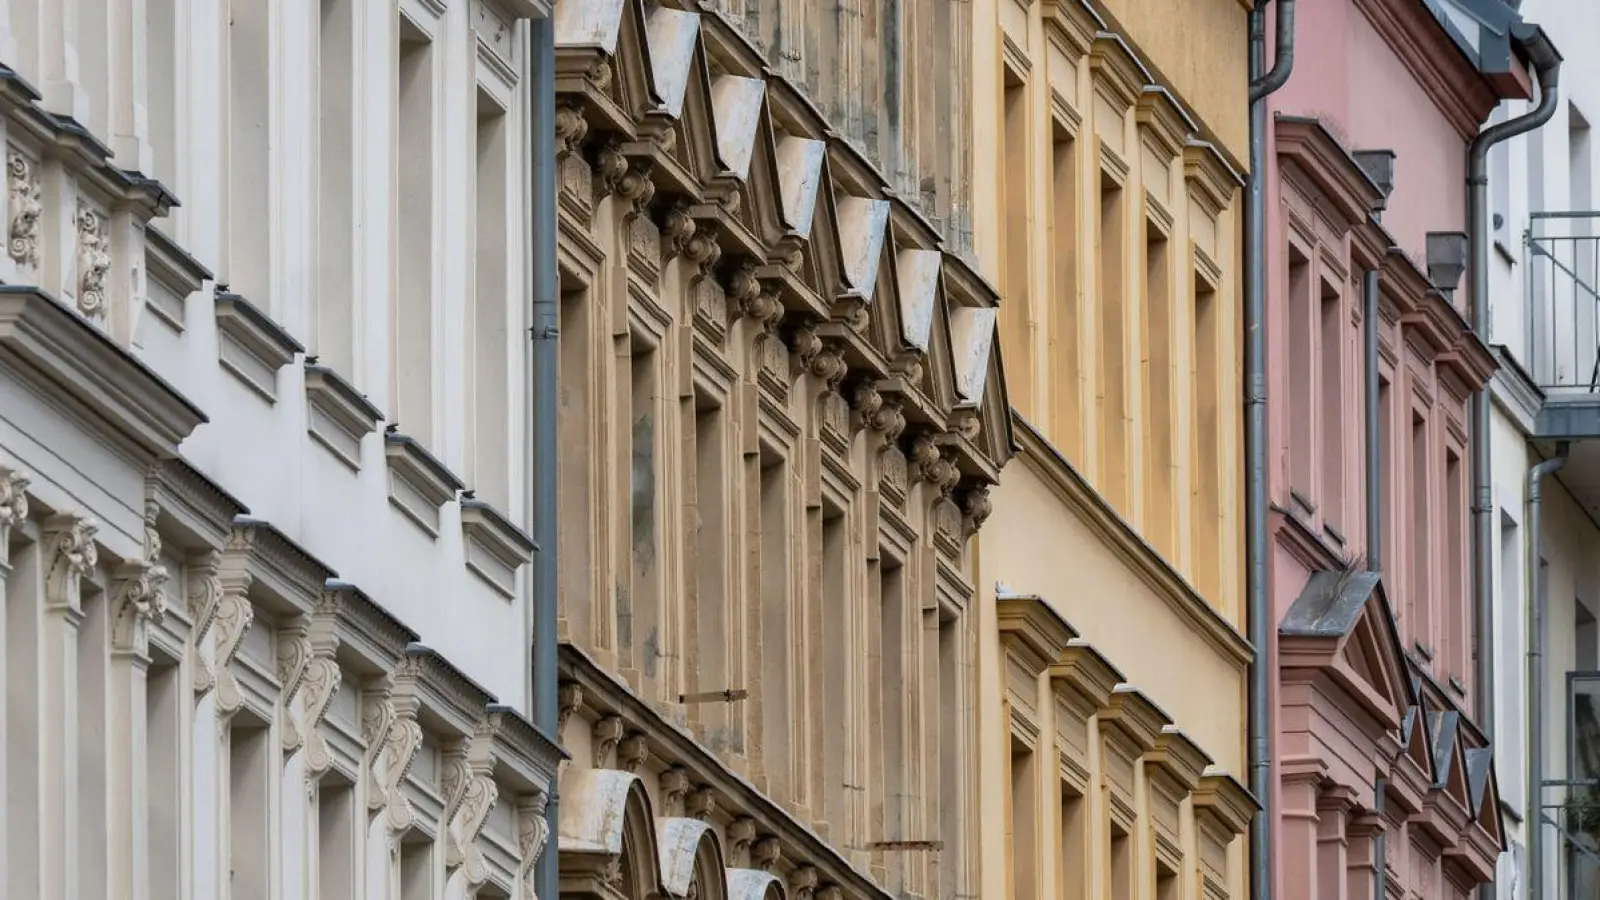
[1166,883]
[249,122]
[1459,628]
[1302,398]
[1122,887]
[1421,601]
[1066,414]
[1113,374]
[639,621]
[1390,538]
[250,761]
[490,434]
[1510,682]
[839,619]
[585,609]
[894,686]
[416,870]
[334,337]
[1017,311]
[1073,869]
[1206,474]
[1330,438]
[412,324]
[23,643]
[777,632]
[165,787]
[1024,823]
[953,775]
[94,644]
[714,616]
[336,840]
[1160,498]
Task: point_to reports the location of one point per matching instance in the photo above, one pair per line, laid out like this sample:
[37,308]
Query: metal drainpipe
[1535,674]
[1259,612]
[1369,315]
[1548,63]
[545,333]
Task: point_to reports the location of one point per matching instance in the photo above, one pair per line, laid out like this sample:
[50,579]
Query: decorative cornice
[1069,27]
[283,568]
[200,506]
[1086,673]
[1162,121]
[340,416]
[172,265]
[496,548]
[1332,169]
[1032,629]
[251,345]
[441,689]
[522,752]
[1180,758]
[1082,499]
[1455,86]
[1133,716]
[1117,74]
[1223,800]
[1211,179]
[418,482]
[363,626]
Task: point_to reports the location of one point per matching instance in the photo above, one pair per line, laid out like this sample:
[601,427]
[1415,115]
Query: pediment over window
[1342,624]
[1329,167]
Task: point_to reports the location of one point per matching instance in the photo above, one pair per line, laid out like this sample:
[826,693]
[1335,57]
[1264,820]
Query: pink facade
[1375,670]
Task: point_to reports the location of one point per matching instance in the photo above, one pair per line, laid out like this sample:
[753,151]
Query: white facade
[263,486]
[1550,170]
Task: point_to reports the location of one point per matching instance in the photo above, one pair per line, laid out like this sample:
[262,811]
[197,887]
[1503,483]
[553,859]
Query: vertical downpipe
[1370,301]
[545,331]
[1535,674]
[1259,613]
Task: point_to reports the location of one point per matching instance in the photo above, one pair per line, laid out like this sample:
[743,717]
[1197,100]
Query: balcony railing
[1562,337]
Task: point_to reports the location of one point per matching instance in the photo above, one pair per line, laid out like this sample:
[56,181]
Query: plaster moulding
[75,362]
[418,482]
[251,345]
[339,416]
[173,276]
[495,548]
[1032,630]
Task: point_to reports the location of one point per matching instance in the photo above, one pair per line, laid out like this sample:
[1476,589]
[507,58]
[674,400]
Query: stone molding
[338,415]
[251,345]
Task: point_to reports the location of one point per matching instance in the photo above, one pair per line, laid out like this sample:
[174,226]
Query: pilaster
[71,556]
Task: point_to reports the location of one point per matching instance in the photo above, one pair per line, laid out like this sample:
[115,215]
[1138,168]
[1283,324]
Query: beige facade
[1112,671]
[785,408]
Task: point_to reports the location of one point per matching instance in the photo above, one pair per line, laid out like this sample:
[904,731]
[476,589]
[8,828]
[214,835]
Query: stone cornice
[1331,168]
[1456,88]
[364,627]
[1069,26]
[288,573]
[1211,179]
[78,365]
[605,695]
[171,264]
[1226,802]
[1133,719]
[1165,125]
[1085,676]
[1118,76]
[1032,630]
[1092,509]
[1178,757]
[522,751]
[452,704]
[201,507]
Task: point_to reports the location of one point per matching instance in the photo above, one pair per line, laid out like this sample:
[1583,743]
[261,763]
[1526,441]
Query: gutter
[1257,602]
[1370,299]
[544,370]
[1535,674]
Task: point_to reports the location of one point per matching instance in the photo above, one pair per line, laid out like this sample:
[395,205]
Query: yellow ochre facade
[1112,670]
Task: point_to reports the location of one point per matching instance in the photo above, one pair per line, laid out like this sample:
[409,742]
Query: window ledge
[418,482]
[251,345]
[173,276]
[339,416]
[495,548]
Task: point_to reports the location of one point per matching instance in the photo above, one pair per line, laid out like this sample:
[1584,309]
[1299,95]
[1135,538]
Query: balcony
[1559,341]
[1571,801]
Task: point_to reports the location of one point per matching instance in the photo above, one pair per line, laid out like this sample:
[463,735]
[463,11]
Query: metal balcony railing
[1562,338]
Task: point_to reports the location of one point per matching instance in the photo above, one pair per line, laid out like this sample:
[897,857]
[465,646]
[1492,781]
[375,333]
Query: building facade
[1543,220]
[1112,671]
[787,393]
[1386,780]
[266,618]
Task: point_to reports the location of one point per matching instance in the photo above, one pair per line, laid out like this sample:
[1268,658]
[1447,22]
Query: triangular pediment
[760,194]
[972,335]
[673,37]
[1484,791]
[938,367]
[1449,758]
[995,439]
[694,144]
[1416,732]
[633,84]
[800,168]
[737,102]
[885,328]
[918,278]
[824,254]
[863,233]
[1342,620]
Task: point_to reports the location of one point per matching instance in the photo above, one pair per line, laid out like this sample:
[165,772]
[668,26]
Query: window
[164,793]
[249,149]
[1302,396]
[1206,475]
[837,704]
[416,869]
[1024,824]
[250,761]
[1122,887]
[1455,545]
[1387,486]
[1113,374]
[1017,310]
[585,607]
[336,839]
[894,687]
[412,323]
[1331,436]
[717,643]
[1073,866]
[1159,413]
[1066,414]
[1420,603]
[777,623]
[1509,681]
[24,640]
[640,623]
[951,772]
[334,334]
[490,434]
[94,644]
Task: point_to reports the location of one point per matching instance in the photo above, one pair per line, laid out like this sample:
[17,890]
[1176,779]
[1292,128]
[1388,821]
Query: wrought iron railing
[1561,344]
